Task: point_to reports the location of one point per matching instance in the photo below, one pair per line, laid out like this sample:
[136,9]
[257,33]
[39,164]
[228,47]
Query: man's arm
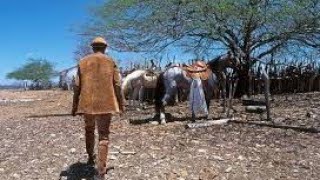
[117,88]
[76,93]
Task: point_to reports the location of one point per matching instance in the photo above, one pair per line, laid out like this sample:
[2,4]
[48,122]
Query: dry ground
[38,141]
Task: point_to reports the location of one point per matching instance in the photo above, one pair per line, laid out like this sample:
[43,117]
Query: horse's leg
[278,86]
[258,86]
[311,83]
[224,91]
[130,96]
[301,84]
[308,82]
[230,94]
[235,84]
[208,101]
[160,110]
[209,95]
[135,94]
[141,95]
[164,102]
[250,86]
[318,83]
[170,92]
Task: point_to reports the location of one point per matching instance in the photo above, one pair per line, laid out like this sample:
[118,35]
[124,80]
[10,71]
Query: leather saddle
[199,69]
[151,73]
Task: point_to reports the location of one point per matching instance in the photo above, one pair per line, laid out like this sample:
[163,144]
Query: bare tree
[251,29]
[82,49]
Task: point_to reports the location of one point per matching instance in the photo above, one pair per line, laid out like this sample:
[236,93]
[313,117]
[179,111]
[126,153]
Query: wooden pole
[266,93]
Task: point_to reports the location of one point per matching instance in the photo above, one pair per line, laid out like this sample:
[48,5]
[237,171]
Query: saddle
[198,70]
[151,73]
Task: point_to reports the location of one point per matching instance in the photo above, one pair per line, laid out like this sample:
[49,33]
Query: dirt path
[39,142]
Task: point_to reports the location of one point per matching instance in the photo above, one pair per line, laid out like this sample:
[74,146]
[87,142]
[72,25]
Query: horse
[67,78]
[175,77]
[292,74]
[134,84]
[219,66]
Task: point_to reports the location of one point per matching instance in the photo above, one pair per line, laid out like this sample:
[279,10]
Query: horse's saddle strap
[202,74]
[196,70]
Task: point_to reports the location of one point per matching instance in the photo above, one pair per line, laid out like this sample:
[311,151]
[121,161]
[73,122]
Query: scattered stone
[243,117]
[82,136]
[154,122]
[113,157]
[208,174]
[172,176]
[114,152]
[279,120]
[311,115]
[209,123]
[289,98]
[17,176]
[202,151]
[73,150]
[219,158]
[128,152]
[228,170]
[241,158]
[183,173]
[50,170]
[64,178]
[270,165]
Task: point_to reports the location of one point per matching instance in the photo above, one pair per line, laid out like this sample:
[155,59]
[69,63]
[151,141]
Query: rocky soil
[39,140]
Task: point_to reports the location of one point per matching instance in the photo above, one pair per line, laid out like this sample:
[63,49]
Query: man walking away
[97,97]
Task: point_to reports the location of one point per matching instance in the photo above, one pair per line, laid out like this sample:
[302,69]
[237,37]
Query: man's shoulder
[96,56]
[88,57]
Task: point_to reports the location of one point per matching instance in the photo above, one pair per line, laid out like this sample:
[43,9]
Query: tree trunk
[243,84]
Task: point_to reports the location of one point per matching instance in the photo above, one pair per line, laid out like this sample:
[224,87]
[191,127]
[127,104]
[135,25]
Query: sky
[43,29]
[40,28]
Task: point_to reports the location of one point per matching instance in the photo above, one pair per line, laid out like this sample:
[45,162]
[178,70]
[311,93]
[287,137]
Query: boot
[90,147]
[91,160]
[102,158]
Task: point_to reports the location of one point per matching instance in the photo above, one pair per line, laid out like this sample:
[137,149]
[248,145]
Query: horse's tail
[124,86]
[159,93]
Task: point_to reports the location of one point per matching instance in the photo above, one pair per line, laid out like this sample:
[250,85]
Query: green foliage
[34,70]
[254,27]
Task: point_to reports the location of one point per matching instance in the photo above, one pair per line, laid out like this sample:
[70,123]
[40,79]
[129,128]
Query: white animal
[134,84]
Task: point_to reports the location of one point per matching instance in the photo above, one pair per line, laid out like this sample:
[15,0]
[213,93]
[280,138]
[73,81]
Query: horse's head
[230,60]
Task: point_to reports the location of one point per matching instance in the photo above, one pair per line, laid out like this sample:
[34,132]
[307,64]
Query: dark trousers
[103,125]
